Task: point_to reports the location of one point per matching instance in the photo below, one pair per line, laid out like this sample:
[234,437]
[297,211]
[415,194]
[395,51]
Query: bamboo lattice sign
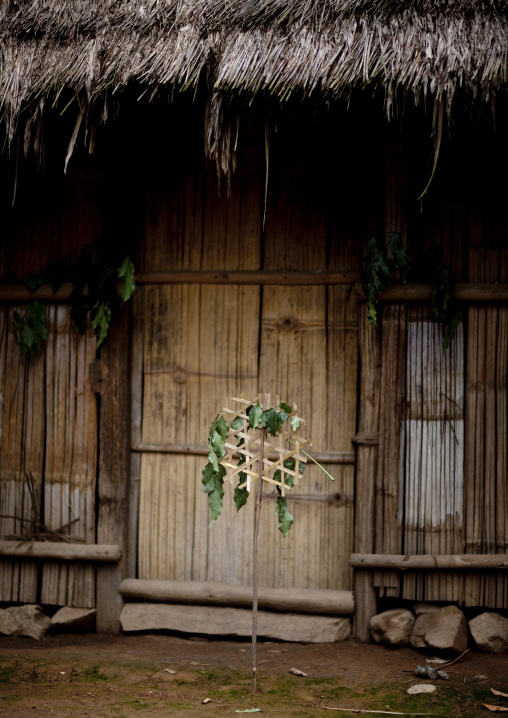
[247,444]
[254,440]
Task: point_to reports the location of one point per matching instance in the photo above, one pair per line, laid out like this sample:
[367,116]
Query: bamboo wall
[199,344]
[307,200]
[48,456]
[443,444]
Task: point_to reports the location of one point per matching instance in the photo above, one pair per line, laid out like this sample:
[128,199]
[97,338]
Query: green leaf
[237,423]
[273,419]
[27,336]
[285,518]
[218,444]
[101,318]
[215,497]
[222,428]
[401,259]
[207,478]
[255,413]
[295,422]
[285,407]
[213,485]
[240,496]
[126,271]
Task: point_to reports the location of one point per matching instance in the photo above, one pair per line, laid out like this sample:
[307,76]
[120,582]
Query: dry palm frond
[246,48]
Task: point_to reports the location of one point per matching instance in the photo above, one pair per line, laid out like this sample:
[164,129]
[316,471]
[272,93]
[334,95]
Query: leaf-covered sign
[235,452]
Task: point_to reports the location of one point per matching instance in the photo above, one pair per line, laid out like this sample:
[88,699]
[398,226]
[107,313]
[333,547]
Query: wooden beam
[324,457]
[470,292]
[436,562]
[112,380]
[259,277]
[467,292]
[367,440]
[59,551]
[332,603]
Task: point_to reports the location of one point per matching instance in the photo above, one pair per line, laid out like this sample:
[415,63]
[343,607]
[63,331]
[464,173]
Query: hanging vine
[381,262]
[102,279]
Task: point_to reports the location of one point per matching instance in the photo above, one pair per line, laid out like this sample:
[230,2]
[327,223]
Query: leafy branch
[380,261]
[102,279]
[444,306]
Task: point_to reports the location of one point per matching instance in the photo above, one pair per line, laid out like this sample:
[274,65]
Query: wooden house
[244,153]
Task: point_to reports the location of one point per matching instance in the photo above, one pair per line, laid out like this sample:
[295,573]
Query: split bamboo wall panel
[202,344]
[49,431]
[433,435]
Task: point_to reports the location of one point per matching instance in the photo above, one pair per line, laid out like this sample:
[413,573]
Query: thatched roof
[279,48]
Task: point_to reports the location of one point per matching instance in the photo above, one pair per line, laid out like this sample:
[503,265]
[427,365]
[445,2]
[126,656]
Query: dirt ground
[154,674]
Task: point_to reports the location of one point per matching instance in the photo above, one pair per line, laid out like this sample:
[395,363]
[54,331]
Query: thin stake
[255,564]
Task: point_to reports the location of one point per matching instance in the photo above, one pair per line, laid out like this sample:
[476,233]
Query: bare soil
[164,675]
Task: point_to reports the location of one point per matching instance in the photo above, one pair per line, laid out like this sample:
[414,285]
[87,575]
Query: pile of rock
[441,629]
[30,620]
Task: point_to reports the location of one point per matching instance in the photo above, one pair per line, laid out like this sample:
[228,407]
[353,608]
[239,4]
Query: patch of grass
[94,674]
[7,671]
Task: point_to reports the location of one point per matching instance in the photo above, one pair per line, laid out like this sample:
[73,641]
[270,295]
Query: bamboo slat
[388,500]
[368,423]
[22,454]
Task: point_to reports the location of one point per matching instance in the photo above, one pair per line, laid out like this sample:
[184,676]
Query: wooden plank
[56,550]
[481,292]
[220,621]
[114,469]
[388,502]
[368,423]
[401,562]
[333,603]
[71,456]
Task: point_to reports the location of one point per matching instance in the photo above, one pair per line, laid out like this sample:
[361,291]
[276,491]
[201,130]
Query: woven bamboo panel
[201,343]
[434,453]
[71,456]
[22,453]
[48,432]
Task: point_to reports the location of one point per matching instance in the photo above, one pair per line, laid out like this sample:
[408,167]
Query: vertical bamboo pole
[264,404]
[255,564]
[366,463]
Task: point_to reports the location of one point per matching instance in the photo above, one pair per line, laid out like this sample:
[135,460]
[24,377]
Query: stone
[393,627]
[222,621]
[28,620]
[421,607]
[490,632]
[73,618]
[444,630]
[417,690]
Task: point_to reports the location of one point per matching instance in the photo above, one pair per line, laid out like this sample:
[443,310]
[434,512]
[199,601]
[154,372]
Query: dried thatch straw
[276,48]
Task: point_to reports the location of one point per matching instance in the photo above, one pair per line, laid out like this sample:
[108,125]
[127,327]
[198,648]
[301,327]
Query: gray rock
[26,620]
[444,630]
[68,617]
[490,631]
[393,627]
[420,607]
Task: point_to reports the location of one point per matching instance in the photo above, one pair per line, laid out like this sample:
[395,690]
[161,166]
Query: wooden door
[195,345]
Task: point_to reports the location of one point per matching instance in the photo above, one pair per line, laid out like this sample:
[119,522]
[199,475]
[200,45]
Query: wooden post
[365,598]
[112,382]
